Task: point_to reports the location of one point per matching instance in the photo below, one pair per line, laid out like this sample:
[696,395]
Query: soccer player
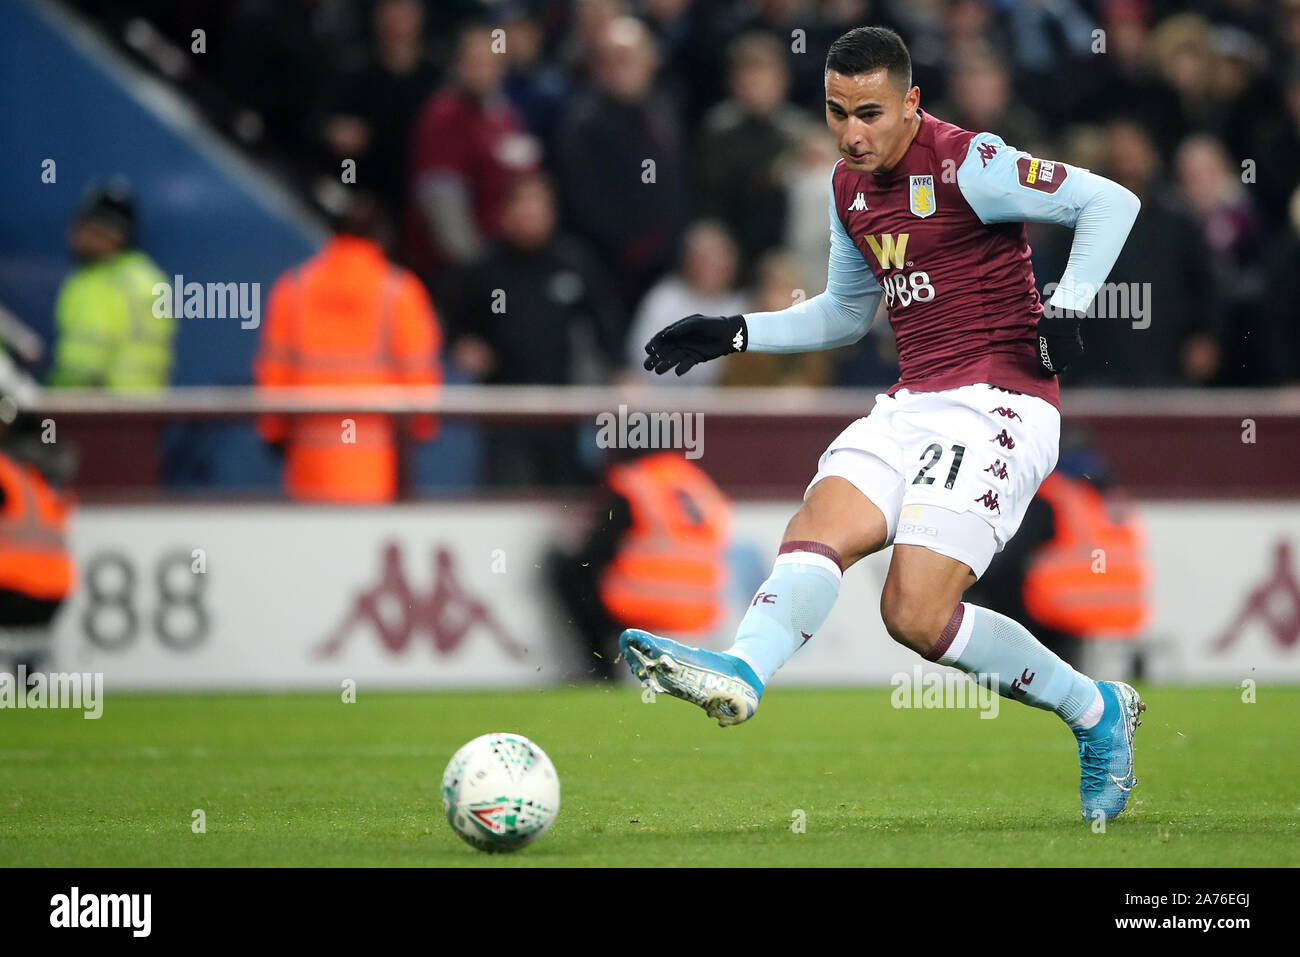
[931,217]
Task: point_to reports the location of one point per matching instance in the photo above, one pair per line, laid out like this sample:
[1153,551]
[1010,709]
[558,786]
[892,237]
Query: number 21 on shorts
[933,452]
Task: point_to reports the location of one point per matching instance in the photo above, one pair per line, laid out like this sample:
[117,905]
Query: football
[500,792]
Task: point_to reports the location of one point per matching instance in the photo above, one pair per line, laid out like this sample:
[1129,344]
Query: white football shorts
[953,471]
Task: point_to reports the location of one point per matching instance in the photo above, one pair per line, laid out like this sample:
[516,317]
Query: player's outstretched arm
[837,317]
[1003,184]
[695,339]
[823,322]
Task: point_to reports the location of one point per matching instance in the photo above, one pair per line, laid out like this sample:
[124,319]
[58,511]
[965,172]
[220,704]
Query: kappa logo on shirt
[859,204]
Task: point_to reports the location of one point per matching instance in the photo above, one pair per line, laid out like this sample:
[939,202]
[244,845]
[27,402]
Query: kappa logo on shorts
[998,468]
[1004,440]
[990,501]
[1006,413]
[912,528]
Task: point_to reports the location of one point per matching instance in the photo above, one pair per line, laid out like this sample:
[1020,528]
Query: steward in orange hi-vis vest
[347,317]
[1090,579]
[670,571]
[34,557]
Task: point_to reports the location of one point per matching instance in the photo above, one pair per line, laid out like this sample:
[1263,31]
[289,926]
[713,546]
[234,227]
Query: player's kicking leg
[922,609]
[836,526]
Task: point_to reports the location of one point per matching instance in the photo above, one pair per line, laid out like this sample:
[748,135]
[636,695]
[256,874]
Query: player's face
[870,118]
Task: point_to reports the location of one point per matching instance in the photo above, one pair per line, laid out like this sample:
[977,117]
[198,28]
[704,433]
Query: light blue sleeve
[1101,212]
[837,317]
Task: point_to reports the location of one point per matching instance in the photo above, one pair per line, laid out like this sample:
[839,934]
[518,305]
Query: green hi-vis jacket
[109,332]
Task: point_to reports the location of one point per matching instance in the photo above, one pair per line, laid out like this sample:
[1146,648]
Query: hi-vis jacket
[1091,578]
[108,334]
[670,572]
[34,557]
[346,317]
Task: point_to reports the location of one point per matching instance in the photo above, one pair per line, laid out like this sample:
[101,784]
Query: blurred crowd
[568,176]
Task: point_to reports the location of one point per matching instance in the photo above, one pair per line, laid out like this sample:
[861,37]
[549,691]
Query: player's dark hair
[866,49]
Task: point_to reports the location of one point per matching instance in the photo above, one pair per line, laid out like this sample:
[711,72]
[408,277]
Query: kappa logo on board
[1275,604]
[396,614]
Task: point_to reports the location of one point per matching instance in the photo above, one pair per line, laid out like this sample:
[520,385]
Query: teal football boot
[1106,775]
[725,687]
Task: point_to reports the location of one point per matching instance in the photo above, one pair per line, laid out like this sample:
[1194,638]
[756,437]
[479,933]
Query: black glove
[695,339]
[1059,342]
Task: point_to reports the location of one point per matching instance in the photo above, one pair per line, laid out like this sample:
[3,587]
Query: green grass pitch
[306,780]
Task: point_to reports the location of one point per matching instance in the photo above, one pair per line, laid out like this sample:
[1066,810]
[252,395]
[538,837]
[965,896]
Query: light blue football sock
[789,607]
[982,642]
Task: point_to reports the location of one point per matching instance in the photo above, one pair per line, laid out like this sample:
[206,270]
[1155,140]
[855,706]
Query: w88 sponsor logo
[905,288]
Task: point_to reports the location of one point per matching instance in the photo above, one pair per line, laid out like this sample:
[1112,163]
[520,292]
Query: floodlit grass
[306,780]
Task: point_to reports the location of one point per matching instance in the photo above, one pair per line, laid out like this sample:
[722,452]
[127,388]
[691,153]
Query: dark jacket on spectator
[556,303]
[635,225]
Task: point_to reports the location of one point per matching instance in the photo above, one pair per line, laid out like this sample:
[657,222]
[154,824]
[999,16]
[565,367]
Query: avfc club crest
[922,196]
